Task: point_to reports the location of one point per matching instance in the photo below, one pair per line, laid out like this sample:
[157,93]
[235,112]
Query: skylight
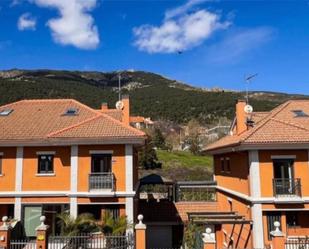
[300,113]
[71,111]
[5,112]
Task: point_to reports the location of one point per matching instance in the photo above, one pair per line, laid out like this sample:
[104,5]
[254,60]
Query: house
[60,155]
[262,174]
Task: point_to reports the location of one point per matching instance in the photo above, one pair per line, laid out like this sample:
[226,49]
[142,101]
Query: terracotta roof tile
[46,119]
[278,126]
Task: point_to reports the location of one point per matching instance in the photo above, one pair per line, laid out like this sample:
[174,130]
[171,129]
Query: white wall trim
[66,194]
[17,208]
[74,167]
[101,151]
[19,168]
[257,229]
[46,152]
[254,174]
[264,200]
[283,156]
[74,179]
[130,209]
[129,167]
[18,181]
[73,207]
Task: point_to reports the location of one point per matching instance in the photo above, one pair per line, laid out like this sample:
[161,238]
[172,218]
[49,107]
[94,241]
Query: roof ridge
[72,126]
[265,120]
[122,124]
[290,123]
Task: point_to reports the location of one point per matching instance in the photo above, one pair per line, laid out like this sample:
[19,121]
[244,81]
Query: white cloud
[183,8]
[75,26]
[179,31]
[239,43]
[26,22]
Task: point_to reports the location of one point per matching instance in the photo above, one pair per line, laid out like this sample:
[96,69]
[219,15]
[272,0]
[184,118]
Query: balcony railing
[101,181]
[287,187]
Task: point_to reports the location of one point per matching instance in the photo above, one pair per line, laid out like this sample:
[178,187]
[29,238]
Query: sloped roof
[45,120]
[280,126]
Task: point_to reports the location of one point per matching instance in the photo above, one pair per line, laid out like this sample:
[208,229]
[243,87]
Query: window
[46,164]
[114,212]
[71,112]
[5,112]
[300,113]
[101,163]
[222,165]
[271,218]
[292,219]
[228,164]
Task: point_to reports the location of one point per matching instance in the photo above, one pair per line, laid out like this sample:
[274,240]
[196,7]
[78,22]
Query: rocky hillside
[151,94]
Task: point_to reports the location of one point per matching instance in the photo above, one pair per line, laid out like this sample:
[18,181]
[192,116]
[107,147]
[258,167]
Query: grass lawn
[183,159]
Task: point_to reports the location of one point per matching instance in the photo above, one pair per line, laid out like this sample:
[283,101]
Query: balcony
[287,187]
[101,181]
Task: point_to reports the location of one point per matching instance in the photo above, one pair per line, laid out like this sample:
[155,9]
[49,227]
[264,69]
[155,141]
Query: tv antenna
[248,80]
[119,86]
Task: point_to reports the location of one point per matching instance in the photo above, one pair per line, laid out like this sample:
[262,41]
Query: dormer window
[300,113]
[71,112]
[5,112]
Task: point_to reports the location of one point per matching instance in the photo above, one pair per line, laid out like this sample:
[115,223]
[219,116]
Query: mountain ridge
[152,95]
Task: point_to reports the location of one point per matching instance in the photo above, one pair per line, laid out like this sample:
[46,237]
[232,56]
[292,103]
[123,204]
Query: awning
[214,218]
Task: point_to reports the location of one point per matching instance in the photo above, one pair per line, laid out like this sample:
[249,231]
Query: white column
[129,182]
[74,175]
[255,192]
[18,181]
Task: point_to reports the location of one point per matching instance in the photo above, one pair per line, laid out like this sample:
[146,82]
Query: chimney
[126,109]
[104,106]
[241,117]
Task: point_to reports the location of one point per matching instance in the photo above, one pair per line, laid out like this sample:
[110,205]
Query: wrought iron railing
[297,243]
[100,181]
[195,191]
[92,241]
[23,244]
[287,187]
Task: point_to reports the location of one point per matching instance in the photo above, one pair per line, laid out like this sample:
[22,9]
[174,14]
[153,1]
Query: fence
[91,241]
[23,244]
[297,243]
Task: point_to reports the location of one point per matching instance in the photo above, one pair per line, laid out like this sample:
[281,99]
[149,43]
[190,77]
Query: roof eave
[71,141]
[258,146]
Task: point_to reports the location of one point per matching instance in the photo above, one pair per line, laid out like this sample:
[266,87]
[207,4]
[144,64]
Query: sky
[205,43]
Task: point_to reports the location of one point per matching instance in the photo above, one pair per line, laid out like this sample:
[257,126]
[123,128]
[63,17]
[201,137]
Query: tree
[114,226]
[158,139]
[193,138]
[147,155]
[83,223]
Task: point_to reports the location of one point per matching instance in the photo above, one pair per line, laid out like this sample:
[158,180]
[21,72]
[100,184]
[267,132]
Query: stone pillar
[209,239]
[140,233]
[278,238]
[5,233]
[42,235]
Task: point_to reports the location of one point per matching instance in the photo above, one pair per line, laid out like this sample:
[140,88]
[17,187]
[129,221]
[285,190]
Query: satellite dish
[248,109]
[119,105]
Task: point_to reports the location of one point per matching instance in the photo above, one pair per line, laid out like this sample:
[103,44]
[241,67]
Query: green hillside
[151,94]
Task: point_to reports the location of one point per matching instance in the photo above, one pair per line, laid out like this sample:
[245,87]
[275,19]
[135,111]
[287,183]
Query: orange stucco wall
[34,182]
[237,178]
[241,234]
[118,165]
[45,200]
[301,170]
[7,179]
